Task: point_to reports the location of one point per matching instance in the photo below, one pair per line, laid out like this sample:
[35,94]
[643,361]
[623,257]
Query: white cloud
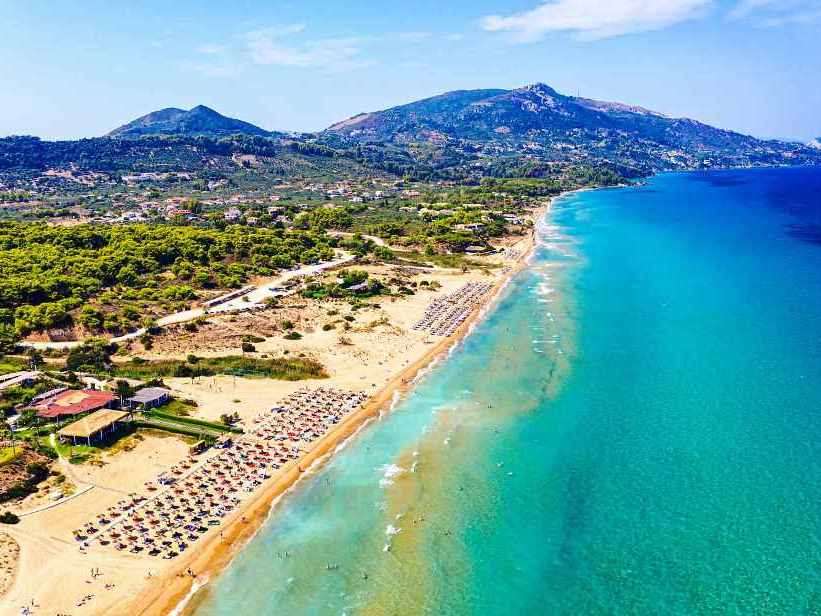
[267,47]
[595,19]
[772,13]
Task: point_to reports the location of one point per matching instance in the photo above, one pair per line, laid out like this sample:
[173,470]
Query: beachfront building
[149,398]
[95,427]
[59,404]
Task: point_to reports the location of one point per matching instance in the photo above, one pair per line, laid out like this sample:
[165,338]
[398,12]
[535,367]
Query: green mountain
[200,120]
[532,131]
[543,123]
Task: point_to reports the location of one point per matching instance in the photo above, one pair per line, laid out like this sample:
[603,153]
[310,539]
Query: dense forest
[112,277]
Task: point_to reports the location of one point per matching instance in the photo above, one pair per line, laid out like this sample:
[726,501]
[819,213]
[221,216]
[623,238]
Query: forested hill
[202,155]
[199,120]
[553,126]
[116,278]
[531,131]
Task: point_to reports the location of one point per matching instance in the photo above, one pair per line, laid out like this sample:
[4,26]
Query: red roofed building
[73,402]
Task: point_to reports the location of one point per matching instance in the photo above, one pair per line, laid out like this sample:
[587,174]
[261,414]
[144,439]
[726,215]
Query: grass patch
[191,421]
[453,261]
[7,454]
[174,428]
[12,364]
[180,408]
[279,368]
[76,454]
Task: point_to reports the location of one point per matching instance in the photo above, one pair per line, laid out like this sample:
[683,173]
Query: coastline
[180,594]
[168,587]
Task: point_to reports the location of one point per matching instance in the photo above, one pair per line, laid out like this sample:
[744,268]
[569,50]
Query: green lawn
[192,422]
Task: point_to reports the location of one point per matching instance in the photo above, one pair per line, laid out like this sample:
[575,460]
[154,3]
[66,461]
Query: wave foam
[389,471]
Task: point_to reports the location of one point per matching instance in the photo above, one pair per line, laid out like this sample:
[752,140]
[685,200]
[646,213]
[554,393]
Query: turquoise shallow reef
[635,428]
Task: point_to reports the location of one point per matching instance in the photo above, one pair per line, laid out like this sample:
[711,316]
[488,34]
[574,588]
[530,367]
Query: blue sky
[73,69]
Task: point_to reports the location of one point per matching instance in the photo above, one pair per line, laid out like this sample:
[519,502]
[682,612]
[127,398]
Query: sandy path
[9,555]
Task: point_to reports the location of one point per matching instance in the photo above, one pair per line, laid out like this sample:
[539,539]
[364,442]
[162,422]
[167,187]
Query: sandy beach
[380,356]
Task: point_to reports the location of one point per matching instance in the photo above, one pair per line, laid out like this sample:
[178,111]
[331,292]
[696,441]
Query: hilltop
[199,120]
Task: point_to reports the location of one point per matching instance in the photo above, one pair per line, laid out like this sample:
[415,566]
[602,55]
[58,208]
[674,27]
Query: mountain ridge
[534,98]
[545,123]
[531,131]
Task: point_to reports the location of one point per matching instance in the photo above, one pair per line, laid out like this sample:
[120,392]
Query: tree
[90,317]
[93,354]
[127,275]
[353,277]
[8,338]
[123,389]
[35,357]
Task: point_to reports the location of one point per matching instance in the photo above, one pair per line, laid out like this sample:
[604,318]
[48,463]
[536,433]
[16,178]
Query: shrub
[229,419]
[93,353]
[7,517]
[184,370]
[293,336]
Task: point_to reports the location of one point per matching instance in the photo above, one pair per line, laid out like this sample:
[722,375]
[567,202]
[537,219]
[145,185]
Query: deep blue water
[634,429]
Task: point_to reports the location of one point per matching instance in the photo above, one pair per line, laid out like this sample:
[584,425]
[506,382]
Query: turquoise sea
[634,428]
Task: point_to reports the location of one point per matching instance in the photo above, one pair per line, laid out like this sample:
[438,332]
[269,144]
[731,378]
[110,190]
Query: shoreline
[177,597]
[173,590]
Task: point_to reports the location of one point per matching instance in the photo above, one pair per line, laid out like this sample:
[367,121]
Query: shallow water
[635,428]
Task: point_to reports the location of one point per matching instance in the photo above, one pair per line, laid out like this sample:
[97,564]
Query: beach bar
[95,426]
[60,403]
